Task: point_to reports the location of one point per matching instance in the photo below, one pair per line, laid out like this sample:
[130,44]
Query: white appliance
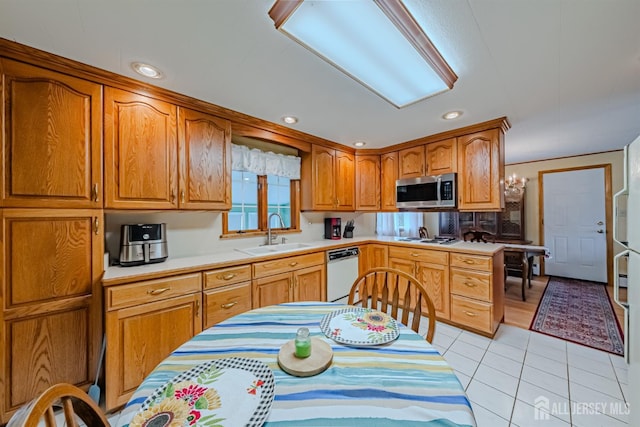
[626,231]
[342,271]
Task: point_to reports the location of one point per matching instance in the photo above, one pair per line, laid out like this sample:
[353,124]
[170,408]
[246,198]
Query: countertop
[114,275]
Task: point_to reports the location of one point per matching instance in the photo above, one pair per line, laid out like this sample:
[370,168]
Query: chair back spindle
[396,293]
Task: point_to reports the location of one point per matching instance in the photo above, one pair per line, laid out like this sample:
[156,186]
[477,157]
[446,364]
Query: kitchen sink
[274,249]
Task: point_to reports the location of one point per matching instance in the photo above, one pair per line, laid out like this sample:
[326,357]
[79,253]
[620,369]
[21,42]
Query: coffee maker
[332,228]
[143,244]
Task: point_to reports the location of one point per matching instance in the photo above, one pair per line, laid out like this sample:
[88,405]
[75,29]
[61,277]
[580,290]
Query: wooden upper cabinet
[327,180]
[204,145]
[481,171]
[141,159]
[51,137]
[411,162]
[388,177]
[441,157]
[345,181]
[367,182]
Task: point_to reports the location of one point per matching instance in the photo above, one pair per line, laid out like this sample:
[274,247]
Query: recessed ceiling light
[452,115]
[146,70]
[290,120]
[359,144]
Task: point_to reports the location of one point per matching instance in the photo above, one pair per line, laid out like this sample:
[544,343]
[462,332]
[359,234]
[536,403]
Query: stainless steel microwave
[436,191]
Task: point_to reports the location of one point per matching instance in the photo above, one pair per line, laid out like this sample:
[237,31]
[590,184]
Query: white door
[574,224]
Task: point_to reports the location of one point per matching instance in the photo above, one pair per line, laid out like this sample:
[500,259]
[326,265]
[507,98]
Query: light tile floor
[523,378]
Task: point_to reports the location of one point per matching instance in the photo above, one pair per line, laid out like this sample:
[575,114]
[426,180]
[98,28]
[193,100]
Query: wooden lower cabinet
[50,301]
[227,292]
[431,268]
[297,278]
[371,256]
[477,291]
[143,330]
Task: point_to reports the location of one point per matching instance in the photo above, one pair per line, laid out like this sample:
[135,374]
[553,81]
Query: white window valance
[260,162]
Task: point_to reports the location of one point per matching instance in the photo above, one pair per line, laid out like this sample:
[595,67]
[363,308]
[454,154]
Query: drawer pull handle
[228,305]
[158,291]
[414,254]
[293,264]
[227,276]
[471,285]
[470,313]
[469,261]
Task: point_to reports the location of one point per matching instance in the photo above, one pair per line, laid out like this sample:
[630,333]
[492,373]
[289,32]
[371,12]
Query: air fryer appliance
[143,244]
[332,228]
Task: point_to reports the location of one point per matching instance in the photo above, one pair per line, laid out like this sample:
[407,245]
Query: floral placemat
[221,393]
[359,326]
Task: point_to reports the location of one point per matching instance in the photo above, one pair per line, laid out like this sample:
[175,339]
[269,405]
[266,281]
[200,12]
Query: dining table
[525,254]
[402,381]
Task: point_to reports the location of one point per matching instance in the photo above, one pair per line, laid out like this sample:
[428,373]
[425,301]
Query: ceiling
[566,73]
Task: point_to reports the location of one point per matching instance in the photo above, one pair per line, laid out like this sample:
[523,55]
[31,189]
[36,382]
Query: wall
[530,170]
[197,233]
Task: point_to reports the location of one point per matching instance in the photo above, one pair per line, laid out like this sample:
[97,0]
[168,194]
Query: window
[279,198]
[399,224]
[244,202]
[255,197]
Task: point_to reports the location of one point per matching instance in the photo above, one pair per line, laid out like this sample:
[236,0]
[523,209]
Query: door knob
[600,231]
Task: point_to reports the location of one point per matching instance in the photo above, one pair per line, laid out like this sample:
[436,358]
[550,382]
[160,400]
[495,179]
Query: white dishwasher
[342,271]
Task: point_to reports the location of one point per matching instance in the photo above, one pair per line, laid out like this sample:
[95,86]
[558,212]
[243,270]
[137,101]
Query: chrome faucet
[271,238]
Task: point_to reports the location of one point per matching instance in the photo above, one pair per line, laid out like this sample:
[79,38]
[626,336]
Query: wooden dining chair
[392,291]
[76,405]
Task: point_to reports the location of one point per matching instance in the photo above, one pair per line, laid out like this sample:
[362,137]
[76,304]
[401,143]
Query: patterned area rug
[579,311]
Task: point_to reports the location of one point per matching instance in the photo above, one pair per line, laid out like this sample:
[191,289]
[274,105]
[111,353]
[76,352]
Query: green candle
[303,343]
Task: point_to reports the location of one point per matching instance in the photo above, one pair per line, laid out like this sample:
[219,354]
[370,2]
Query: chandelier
[514,187]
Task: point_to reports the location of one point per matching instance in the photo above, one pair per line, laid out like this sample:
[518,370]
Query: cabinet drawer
[472,313]
[421,255]
[469,283]
[152,290]
[286,264]
[477,262]
[227,276]
[222,303]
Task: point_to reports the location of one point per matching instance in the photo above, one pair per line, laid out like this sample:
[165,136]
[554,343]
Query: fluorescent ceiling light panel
[377,43]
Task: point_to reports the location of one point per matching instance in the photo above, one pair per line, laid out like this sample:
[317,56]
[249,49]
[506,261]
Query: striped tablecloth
[404,383]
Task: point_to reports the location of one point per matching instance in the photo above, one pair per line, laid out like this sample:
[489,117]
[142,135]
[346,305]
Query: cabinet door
[512,220]
[401,264]
[372,256]
[481,171]
[435,279]
[50,300]
[141,152]
[448,224]
[411,162]
[140,337]
[310,284]
[368,183]
[52,139]
[204,146]
[323,179]
[389,175]
[271,290]
[345,181]
[441,157]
